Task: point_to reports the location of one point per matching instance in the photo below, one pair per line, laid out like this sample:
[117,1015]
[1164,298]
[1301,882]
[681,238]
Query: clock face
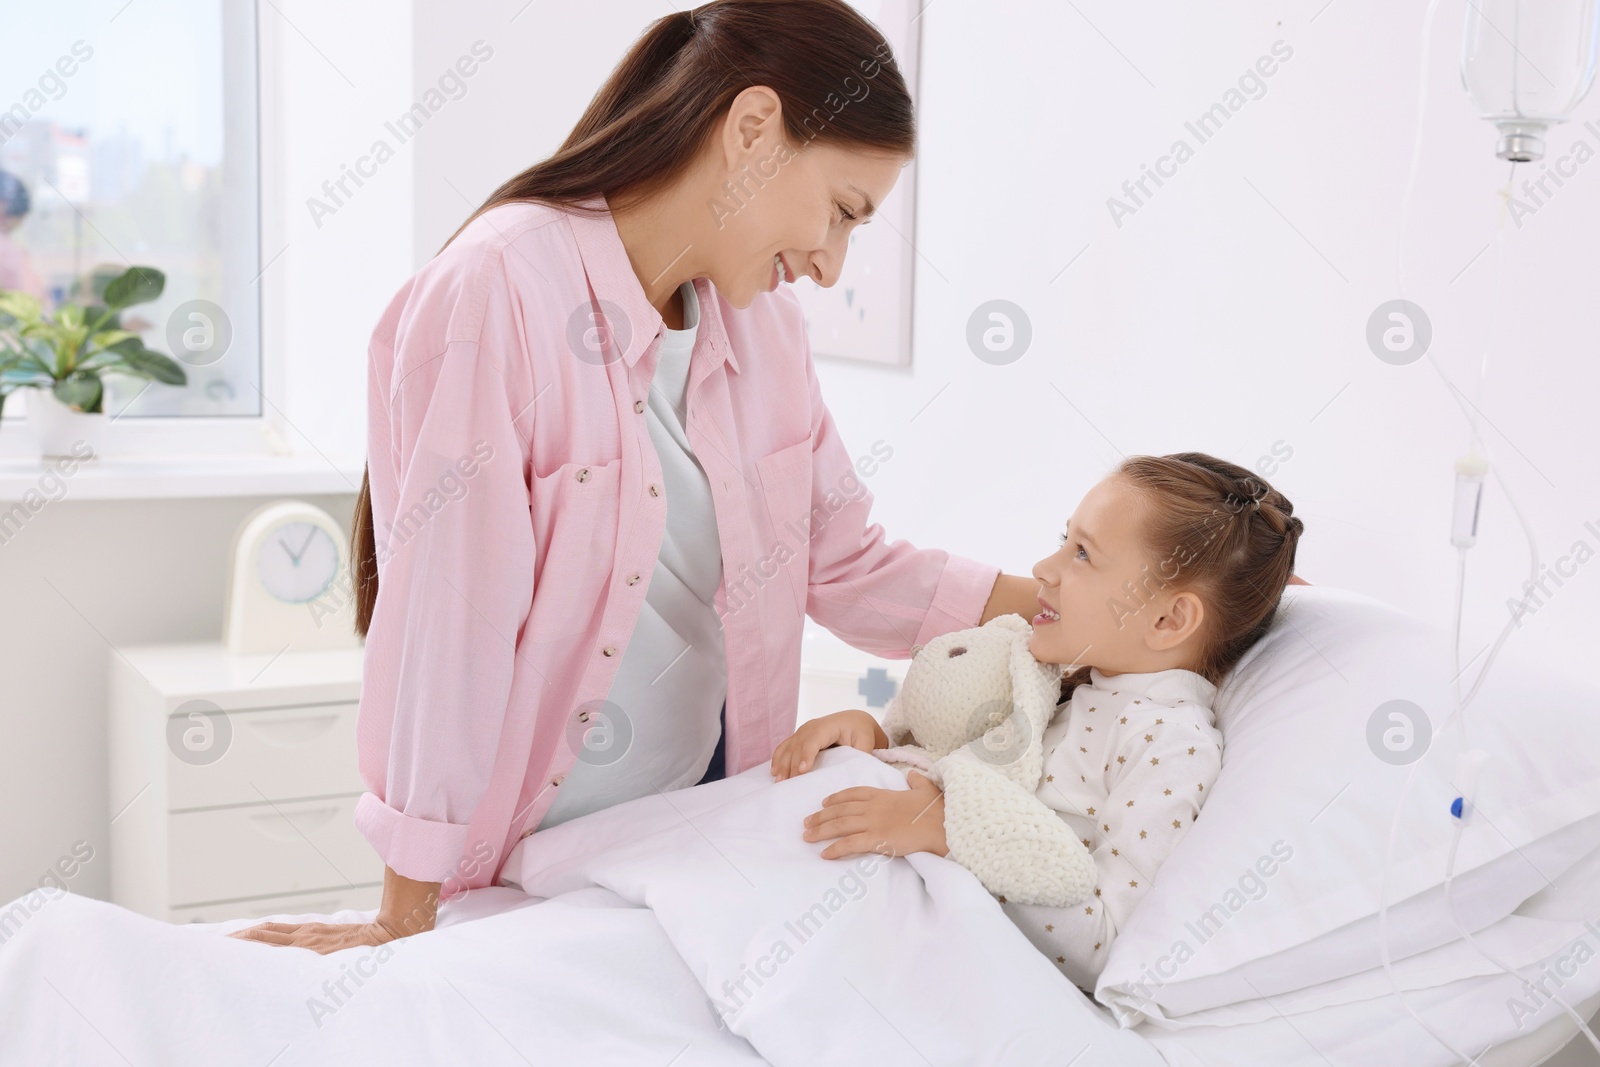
[297,561]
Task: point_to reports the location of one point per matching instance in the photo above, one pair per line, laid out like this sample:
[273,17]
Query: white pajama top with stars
[1128,760]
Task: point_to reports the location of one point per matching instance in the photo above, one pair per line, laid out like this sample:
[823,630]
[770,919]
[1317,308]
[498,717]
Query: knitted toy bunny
[971,716]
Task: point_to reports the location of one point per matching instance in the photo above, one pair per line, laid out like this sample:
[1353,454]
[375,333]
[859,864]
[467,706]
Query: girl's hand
[890,822]
[798,753]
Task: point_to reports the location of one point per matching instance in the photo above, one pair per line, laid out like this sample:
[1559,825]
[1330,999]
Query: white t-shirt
[661,724]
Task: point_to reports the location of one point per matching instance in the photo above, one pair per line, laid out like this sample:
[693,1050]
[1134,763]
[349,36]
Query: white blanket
[693,928]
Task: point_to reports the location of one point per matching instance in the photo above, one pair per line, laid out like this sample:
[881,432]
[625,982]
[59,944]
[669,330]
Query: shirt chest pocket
[786,484]
[574,511]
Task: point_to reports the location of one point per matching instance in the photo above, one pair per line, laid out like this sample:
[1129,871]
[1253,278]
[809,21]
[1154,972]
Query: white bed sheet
[581,975]
[587,976]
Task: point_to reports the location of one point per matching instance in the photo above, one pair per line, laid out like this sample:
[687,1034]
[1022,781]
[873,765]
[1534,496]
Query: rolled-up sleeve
[879,595]
[455,555]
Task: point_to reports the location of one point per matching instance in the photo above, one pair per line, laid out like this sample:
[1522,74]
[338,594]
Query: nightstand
[233,783]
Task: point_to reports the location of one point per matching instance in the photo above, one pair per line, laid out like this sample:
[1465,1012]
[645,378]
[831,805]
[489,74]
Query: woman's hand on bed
[319,937]
[797,754]
[890,822]
[408,907]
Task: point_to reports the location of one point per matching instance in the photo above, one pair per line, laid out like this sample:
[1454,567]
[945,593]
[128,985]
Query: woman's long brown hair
[831,68]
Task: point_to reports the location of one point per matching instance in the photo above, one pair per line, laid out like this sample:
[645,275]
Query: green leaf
[20,306]
[148,364]
[107,338]
[102,318]
[136,285]
[81,391]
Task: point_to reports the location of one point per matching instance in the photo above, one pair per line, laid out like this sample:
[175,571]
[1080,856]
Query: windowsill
[175,477]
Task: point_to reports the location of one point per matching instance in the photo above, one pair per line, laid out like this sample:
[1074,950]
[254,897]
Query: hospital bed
[623,937]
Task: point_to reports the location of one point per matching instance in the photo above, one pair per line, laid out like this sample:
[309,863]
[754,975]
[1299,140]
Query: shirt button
[633,579]
[638,407]
[583,716]
[582,475]
[609,650]
[653,490]
[558,779]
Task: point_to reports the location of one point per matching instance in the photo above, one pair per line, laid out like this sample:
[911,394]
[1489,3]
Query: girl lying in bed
[1169,570]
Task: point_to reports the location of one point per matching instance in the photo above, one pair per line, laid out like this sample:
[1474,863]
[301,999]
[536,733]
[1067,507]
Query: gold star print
[1154,761]
[1123,719]
[1138,702]
[1105,827]
[1089,811]
[1088,911]
[1160,721]
[1049,927]
[1141,835]
[1049,777]
[1130,803]
[1081,778]
[1088,729]
[1082,749]
[1096,890]
[1097,944]
[1113,692]
[1091,709]
[1114,852]
[1132,883]
[1122,759]
[1176,825]
[1149,737]
[1061,959]
[1002,898]
[1200,787]
[1166,792]
[1191,750]
[1086,842]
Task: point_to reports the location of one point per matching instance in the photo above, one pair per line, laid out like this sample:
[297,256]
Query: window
[131,129]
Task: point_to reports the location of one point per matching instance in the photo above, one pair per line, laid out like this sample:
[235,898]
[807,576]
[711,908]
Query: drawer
[361,898]
[295,846]
[272,753]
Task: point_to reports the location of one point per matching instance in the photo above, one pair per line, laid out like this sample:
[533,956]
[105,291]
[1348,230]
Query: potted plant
[64,355]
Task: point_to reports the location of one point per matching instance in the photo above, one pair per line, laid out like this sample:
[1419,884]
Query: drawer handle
[292,732]
[290,825]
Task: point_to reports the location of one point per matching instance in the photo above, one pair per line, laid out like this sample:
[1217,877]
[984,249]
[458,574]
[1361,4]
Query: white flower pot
[60,427]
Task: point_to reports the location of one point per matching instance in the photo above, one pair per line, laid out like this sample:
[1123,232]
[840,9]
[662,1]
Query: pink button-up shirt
[518,510]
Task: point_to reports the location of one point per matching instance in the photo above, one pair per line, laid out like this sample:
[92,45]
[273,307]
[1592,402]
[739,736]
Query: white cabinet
[233,783]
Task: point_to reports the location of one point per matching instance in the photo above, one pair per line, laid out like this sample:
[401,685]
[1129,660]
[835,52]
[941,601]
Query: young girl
[1168,571]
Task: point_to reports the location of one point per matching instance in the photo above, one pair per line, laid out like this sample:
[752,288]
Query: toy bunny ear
[1035,686]
[1013,622]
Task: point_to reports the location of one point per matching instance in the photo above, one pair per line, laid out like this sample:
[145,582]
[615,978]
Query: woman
[603,488]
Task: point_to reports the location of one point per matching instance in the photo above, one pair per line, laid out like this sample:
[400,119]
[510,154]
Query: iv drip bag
[1527,64]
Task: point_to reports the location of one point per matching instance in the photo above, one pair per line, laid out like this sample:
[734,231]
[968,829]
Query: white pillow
[1275,888]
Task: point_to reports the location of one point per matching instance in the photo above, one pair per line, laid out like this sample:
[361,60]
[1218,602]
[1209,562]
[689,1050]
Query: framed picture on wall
[866,315]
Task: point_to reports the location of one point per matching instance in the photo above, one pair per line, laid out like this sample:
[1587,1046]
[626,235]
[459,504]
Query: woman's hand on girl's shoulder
[798,753]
